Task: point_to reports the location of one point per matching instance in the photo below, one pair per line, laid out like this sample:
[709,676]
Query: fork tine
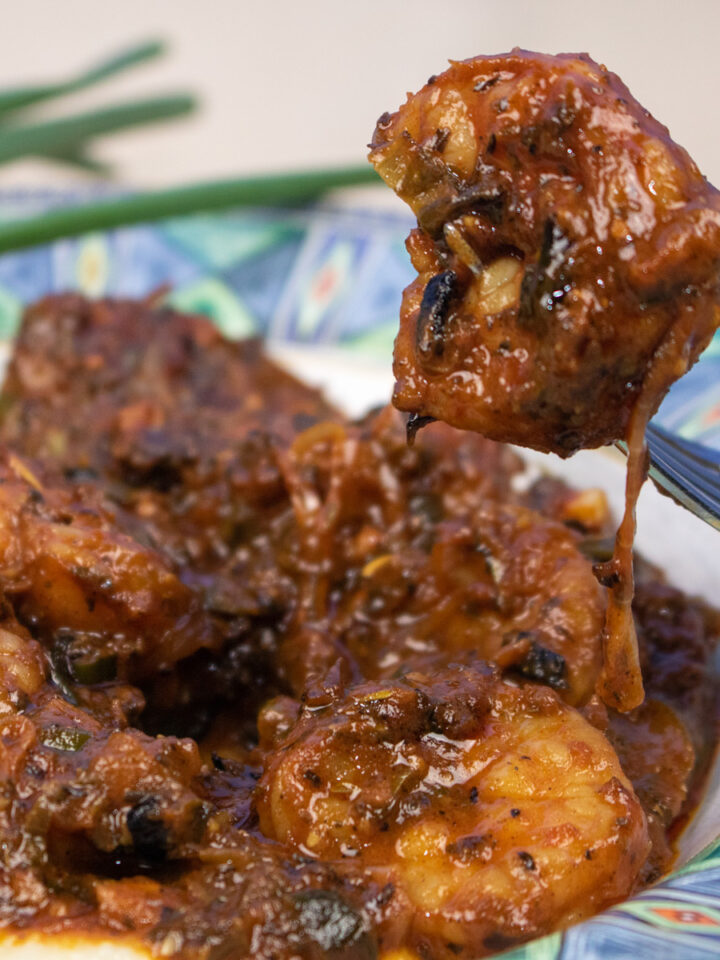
[693,474]
[705,457]
[691,461]
[687,471]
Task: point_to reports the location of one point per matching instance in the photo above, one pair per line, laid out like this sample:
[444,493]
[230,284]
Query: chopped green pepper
[91,668]
[69,739]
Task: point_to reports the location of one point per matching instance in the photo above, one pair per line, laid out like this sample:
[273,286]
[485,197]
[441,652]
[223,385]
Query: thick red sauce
[273,684]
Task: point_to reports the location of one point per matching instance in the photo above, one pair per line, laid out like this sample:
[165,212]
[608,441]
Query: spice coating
[260,666]
[566,249]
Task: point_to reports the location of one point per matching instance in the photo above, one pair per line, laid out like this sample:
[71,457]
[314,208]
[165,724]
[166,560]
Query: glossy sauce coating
[424,565]
[495,806]
[565,248]
[280,598]
[66,561]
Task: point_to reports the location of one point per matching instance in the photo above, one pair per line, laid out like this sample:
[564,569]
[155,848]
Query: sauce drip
[620,684]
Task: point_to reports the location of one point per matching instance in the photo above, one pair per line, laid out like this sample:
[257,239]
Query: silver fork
[689,472]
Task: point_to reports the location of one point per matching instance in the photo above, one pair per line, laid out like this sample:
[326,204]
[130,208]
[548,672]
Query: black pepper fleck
[527,860]
[312,778]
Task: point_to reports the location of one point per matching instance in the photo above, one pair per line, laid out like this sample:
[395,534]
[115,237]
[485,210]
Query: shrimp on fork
[563,242]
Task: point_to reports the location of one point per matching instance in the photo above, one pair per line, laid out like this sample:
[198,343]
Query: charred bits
[149,833]
[415,423]
[329,921]
[543,284]
[545,666]
[434,309]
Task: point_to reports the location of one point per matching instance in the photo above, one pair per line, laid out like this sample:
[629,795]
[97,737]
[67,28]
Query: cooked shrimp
[22,665]
[501,812]
[112,604]
[504,583]
[60,771]
[438,565]
[567,250]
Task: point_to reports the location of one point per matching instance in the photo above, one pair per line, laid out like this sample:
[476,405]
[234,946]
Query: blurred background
[283,84]
[254,88]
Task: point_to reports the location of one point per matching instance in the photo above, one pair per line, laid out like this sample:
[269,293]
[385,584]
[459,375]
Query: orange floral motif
[681,916]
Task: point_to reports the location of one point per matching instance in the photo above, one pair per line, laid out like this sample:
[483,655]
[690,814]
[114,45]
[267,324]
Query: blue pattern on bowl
[318,276]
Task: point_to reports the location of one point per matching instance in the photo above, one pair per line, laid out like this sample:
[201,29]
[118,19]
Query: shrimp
[438,564]
[567,250]
[504,583]
[61,776]
[110,605]
[499,811]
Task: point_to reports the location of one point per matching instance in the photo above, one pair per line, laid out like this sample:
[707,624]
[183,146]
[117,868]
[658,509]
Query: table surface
[286,84]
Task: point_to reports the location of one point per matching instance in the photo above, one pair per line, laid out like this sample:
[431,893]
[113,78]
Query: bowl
[323,286]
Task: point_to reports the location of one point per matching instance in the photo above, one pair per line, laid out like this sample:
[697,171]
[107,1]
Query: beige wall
[301,83]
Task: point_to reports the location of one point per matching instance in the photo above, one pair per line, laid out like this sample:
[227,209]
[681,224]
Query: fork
[689,472]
